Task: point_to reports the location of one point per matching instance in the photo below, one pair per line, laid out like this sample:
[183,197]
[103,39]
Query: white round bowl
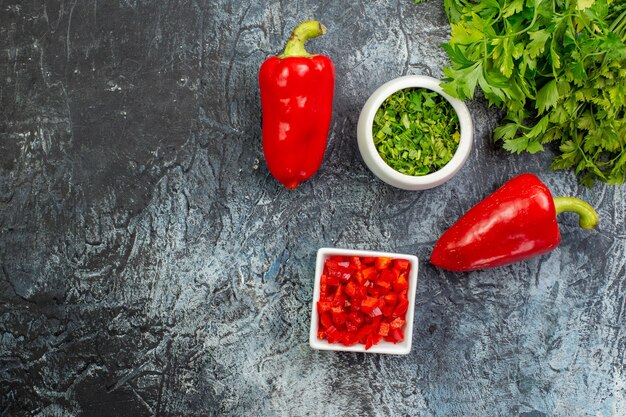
[375,162]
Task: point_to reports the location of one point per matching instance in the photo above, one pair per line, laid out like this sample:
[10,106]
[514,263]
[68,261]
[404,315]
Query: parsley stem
[589,163]
[520,32]
[619,26]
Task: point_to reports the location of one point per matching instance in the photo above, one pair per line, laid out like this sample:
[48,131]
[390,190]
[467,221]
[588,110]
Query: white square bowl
[401,348]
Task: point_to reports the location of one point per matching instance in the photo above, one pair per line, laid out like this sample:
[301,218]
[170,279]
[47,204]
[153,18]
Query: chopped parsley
[416,131]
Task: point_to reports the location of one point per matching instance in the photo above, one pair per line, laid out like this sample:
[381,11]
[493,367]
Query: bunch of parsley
[558,69]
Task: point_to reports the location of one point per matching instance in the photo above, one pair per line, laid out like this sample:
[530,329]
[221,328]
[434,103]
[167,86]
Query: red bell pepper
[516,222]
[388,310]
[296,99]
[355,263]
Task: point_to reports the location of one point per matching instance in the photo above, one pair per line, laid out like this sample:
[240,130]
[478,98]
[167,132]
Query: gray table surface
[151,266]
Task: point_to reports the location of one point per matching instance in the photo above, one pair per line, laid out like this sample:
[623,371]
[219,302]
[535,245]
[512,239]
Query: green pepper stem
[588,218]
[306,30]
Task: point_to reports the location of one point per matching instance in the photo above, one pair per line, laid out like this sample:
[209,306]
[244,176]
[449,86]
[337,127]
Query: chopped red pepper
[338,270]
[382,263]
[374,291]
[401,308]
[376,312]
[324,306]
[401,264]
[395,336]
[351,289]
[356,318]
[383,330]
[351,326]
[401,283]
[355,263]
[369,304]
[331,281]
[397,323]
[385,279]
[336,310]
[326,320]
[391,299]
[349,339]
[339,318]
[388,310]
[369,274]
[332,334]
[339,300]
[362,334]
[364,300]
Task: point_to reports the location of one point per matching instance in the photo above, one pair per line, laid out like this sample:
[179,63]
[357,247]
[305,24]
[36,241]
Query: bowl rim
[402,348]
[367,144]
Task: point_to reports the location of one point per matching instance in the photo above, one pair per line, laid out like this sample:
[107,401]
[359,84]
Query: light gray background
[152,266]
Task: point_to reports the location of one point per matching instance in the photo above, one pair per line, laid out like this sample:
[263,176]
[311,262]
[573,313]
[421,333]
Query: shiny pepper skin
[518,221]
[296,99]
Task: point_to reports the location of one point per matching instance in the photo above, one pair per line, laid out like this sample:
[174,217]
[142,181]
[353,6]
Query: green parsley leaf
[557,69]
[537,43]
[547,97]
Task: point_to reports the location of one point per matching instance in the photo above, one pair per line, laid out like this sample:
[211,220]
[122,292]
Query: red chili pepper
[516,222]
[296,99]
